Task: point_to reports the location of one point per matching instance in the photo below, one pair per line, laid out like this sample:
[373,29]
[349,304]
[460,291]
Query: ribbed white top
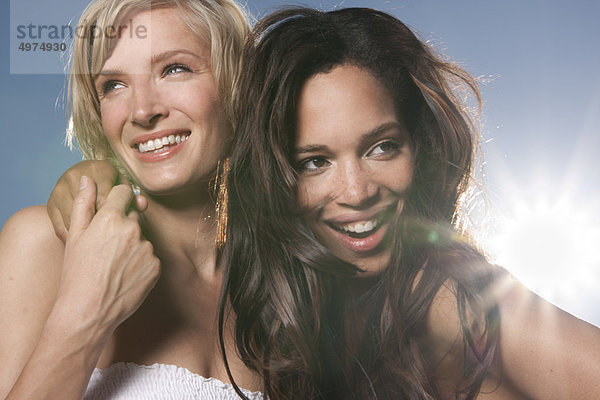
[128,381]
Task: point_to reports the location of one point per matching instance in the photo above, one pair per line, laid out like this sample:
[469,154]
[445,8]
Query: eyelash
[394,144]
[302,166]
[395,147]
[170,69]
[108,86]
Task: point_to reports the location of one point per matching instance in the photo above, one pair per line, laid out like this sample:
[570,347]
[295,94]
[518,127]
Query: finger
[60,204]
[134,215]
[118,200]
[57,221]
[83,206]
[58,201]
[106,176]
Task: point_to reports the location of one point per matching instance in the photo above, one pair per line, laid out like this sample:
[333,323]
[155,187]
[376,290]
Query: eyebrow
[311,148]
[107,72]
[155,59]
[378,131]
[168,54]
[381,129]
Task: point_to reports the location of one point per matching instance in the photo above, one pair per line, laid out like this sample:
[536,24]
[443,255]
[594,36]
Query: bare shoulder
[442,341]
[29,234]
[544,351]
[445,341]
[443,323]
[30,261]
[444,329]
[30,267]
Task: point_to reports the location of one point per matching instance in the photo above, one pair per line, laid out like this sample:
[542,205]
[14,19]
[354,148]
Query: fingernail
[83,182]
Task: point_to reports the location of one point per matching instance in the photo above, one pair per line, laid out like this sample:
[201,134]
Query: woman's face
[159,103]
[355,164]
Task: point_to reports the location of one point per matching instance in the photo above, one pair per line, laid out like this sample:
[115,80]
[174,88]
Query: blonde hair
[220,23]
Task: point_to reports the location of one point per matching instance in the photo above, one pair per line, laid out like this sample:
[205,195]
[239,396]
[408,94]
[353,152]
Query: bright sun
[551,246]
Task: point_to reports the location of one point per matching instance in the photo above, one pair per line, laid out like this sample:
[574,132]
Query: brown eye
[388,147]
[312,164]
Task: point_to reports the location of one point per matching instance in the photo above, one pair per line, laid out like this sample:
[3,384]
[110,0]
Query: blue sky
[541,115]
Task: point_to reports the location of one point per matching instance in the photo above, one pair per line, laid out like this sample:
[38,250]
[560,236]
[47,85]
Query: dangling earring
[222,199]
[136,189]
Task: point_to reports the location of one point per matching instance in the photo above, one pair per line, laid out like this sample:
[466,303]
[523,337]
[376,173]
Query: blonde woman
[128,305]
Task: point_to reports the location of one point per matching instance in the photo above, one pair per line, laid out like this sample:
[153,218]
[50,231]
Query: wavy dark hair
[296,315]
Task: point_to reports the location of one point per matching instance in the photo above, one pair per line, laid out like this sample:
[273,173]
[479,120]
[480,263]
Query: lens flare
[552,246]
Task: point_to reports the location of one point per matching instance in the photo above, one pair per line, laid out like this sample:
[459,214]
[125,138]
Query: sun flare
[551,246]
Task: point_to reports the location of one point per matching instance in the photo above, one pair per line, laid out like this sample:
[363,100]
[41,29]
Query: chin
[370,269]
[368,264]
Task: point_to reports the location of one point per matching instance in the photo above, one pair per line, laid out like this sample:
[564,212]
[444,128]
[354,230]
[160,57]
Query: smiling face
[355,164]
[159,104]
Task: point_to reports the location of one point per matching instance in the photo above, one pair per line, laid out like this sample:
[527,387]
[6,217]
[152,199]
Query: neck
[182,229]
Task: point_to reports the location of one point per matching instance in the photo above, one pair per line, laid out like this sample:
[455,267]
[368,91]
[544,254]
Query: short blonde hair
[220,23]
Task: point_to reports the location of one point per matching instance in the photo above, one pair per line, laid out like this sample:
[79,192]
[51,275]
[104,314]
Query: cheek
[303,196]
[311,194]
[200,104]
[197,107]
[112,116]
[399,177]
[198,99]
[309,205]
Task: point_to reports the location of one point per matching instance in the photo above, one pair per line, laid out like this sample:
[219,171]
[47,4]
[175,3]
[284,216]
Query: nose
[358,188]
[147,106]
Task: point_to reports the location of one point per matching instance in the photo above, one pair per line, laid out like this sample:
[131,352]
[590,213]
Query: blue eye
[109,86]
[175,69]
[312,164]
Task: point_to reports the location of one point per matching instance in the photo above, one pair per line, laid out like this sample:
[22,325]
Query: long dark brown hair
[296,315]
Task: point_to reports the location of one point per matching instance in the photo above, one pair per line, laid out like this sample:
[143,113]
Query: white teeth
[155,145]
[360,227]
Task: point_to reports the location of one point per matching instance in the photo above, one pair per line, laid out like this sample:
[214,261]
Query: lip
[362,245]
[158,134]
[354,217]
[150,157]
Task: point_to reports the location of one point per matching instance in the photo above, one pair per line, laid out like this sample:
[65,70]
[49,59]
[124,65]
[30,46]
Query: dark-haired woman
[348,270]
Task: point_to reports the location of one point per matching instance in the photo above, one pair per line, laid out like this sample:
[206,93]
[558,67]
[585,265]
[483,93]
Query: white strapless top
[129,381]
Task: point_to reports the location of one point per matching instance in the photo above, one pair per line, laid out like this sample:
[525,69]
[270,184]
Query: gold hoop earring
[221,207]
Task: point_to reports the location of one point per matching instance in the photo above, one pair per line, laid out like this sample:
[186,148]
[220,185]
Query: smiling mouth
[359,230]
[161,144]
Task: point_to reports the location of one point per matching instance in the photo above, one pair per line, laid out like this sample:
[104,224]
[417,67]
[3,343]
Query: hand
[60,202]
[108,267]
